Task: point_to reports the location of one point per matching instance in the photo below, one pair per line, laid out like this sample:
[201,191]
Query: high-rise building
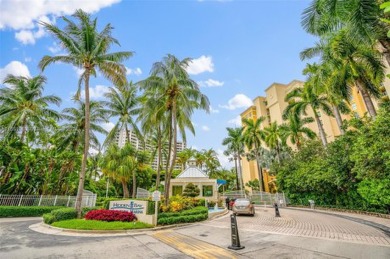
[272,105]
[139,145]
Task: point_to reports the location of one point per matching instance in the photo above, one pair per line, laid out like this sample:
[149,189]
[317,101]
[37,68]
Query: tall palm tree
[325,78]
[170,82]
[235,148]
[252,137]
[302,99]
[295,129]
[70,135]
[274,138]
[23,107]
[122,103]
[87,49]
[360,18]
[357,65]
[211,161]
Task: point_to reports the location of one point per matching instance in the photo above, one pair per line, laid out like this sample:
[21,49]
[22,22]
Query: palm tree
[252,137]
[235,148]
[274,138]
[360,18]
[71,134]
[24,108]
[211,161]
[184,156]
[325,78]
[301,99]
[295,129]
[356,64]
[170,82]
[87,49]
[122,103]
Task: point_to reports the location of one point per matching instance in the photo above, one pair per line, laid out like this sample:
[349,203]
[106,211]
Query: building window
[353,106]
[177,190]
[207,190]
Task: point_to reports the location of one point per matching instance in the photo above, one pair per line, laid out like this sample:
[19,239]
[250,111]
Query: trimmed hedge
[25,211]
[193,215]
[63,214]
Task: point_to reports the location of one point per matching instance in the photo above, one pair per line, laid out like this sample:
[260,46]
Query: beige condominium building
[272,105]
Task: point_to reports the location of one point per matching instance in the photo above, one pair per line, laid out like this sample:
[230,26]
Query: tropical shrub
[196,214]
[191,190]
[59,215]
[111,215]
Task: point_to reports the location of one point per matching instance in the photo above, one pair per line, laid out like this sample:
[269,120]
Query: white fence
[89,200]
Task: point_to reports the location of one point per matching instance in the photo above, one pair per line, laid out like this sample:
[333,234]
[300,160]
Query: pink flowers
[110,215]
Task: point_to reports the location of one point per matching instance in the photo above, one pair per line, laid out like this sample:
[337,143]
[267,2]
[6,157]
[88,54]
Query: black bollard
[277,214]
[235,238]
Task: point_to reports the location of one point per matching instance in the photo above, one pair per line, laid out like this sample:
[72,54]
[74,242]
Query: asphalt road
[297,234]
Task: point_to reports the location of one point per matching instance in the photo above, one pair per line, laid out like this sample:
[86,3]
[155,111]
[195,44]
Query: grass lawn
[99,225]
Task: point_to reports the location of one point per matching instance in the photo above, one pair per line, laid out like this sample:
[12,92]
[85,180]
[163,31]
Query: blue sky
[239,48]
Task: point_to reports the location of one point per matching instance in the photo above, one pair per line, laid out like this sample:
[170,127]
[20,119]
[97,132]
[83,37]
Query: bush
[192,215]
[211,204]
[59,215]
[111,215]
[25,211]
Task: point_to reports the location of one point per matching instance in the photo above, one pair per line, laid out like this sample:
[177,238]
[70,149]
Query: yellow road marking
[192,246]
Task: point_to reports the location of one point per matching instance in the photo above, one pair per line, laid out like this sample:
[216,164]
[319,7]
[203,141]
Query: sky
[239,48]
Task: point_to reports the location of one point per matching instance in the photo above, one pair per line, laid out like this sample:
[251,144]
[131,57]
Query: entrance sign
[139,208]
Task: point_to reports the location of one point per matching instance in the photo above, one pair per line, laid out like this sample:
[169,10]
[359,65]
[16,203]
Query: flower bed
[110,215]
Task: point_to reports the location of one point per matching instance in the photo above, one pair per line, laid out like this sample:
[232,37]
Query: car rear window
[242,202]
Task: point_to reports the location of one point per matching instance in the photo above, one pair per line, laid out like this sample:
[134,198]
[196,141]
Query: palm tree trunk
[367,99]
[337,115]
[80,189]
[260,172]
[133,195]
[320,128]
[126,193]
[278,152]
[173,154]
[167,168]
[240,170]
[159,154]
[23,130]
[127,133]
[386,52]
[235,165]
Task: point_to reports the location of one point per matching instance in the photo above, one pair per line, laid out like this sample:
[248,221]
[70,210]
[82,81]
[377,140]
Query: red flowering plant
[110,215]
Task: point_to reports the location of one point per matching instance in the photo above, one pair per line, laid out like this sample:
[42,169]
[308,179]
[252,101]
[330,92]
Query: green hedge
[25,211]
[196,214]
[194,211]
[64,214]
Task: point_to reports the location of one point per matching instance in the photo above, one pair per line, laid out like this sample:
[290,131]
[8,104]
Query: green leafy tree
[24,108]
[87,49]
[295,130]
[191,190]
[252,136]
[170,82]
[302,99]
[235,149]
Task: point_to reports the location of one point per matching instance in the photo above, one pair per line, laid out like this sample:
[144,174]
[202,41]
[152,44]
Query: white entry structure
[193,174]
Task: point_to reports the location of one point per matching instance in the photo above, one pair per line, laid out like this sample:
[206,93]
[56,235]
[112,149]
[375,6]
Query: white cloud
[108,126]
[55,48]
[205,128]
[78,71]
[212,110]
[211,83]
[23,15]
[15,68]
[96,92]
[236,121]
[238,101]
[224,160]
[136,71]
[200,65]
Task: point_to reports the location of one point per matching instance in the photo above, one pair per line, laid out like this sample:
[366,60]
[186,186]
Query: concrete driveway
[296,234]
